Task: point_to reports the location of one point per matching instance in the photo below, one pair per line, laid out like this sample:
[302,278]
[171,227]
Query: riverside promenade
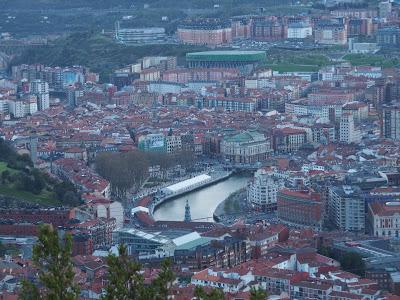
[187,186]
[144,207]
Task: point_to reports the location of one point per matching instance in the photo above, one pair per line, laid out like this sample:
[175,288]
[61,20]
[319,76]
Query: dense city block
[200,150]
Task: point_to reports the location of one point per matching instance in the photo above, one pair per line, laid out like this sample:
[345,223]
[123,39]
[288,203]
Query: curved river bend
[202,202]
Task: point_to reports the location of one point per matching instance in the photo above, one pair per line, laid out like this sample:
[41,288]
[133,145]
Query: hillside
[97,52]
[20,180]
[102,4]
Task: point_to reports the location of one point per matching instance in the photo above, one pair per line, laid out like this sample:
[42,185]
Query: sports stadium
[245,61]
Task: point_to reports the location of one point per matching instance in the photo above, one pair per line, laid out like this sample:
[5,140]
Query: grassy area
[371,60]
[309,59]
[301,61]
[45,197]
[28,184]
[295,61]
[4,167]
[9,189]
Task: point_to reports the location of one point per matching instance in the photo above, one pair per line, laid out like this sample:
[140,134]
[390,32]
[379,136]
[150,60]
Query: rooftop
[385,209]
[187,183]
[246,136]
[193,243]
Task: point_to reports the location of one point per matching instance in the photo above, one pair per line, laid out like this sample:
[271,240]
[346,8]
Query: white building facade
[384,219]
[299,30]
[40,88]
[16,108]
[346,208]
[391,122]
[348,133]
[263,188]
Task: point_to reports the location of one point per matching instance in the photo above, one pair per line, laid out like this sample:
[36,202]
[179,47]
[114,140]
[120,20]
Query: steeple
[188,217]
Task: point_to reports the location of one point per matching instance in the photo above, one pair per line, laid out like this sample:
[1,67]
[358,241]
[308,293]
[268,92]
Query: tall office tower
[391,122]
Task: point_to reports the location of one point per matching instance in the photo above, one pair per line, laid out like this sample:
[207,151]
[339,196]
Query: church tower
[188,217]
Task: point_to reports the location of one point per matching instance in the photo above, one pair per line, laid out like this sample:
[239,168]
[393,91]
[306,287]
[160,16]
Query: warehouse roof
[194,244]
[187,183]
[190,237]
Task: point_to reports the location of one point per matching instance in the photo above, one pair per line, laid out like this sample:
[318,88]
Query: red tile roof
[205,276]
[383,209]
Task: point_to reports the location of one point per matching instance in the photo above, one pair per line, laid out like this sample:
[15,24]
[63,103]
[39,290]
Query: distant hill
[61,4]
[99,53]
[101,4]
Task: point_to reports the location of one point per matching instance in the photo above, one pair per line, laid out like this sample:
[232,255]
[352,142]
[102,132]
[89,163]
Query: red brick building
[82,244]
[356,27]
[300,207]
[17,229]
[210,32]
[241,28]
[268,30]
[99,230]
[56,217]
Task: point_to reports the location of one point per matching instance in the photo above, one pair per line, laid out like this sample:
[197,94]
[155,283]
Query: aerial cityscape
[199,149]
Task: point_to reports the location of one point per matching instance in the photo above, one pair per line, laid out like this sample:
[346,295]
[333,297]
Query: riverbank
[231,207]
[215,178]
[203,202]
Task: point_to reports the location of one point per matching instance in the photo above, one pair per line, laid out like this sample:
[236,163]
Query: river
[202,202]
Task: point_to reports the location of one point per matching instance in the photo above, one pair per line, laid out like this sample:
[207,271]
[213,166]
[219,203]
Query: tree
[32,181]
[164,280]
[70,198]
[25,159]
[352,262]
[258,294]
[325,251]
[124,171]
[126,281]
[185,158]
[164,160]
[5,176]
[6,152]
[26,183]
[3,249]
[215,294]
[66,192]
[30,292]
[39,182]
[52,258]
